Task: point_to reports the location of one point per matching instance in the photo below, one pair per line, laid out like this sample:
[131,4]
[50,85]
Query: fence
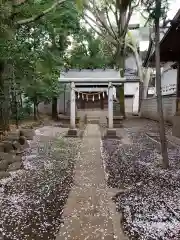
[149,107]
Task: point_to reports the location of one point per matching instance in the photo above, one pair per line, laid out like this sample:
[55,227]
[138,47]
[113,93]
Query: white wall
[130,88]
[149,108]
[130,62]
[128,105]
[168,79]
[168,84]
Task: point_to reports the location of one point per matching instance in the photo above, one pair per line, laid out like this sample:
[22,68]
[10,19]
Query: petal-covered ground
[32,200]
[150,196]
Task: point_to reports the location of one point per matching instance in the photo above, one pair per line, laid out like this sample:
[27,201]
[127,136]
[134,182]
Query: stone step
[93,121]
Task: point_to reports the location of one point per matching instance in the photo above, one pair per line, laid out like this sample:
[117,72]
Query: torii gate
[98,81]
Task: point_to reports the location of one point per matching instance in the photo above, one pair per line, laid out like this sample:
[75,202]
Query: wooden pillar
[82,103]
[73,107]
[102,101]
[178,90]
[110,105]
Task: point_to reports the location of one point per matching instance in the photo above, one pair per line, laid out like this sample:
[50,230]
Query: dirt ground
[148,195]
[32,200]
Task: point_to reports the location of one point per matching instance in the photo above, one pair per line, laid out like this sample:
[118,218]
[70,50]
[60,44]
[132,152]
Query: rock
[16,145]
[22,140]
[15,166]
[14,159]
[4,165]
[4,174]
[1,147]
[12,136]
[20,151]
[9,158]
[7,146]
[5,156]
[28,133]
[24,143]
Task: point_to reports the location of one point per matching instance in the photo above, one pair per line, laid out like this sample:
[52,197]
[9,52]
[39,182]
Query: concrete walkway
[86,214]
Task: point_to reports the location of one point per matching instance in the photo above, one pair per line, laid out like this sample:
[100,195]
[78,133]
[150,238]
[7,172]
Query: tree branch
[36,17]
[100,33]
[137,59]
[99,16]
[109,22]
[127,20]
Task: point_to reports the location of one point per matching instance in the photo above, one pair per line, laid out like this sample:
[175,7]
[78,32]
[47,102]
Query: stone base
[176,126]
[111,134]
[117,121]
[72,133]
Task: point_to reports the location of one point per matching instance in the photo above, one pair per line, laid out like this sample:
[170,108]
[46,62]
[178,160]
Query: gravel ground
[32,200]
[149,196]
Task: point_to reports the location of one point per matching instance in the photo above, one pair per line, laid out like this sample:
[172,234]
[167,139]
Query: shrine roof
[97,73]
[169,44]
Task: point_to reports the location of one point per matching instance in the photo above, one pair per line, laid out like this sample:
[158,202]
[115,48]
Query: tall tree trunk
[158,90]
[21,101]
[14,103]
[54,109]
[35,110]
[64,99]
[4,96]
[121,55]
[121,87]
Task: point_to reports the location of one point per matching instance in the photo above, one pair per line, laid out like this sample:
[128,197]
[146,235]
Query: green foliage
[89,51]
[156,11]
[36,51]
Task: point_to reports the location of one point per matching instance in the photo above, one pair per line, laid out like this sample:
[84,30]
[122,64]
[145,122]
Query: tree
[89,51]
[110,20]
[23,41]
[158,11]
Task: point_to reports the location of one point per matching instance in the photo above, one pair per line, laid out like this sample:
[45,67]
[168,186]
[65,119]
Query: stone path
[86,214]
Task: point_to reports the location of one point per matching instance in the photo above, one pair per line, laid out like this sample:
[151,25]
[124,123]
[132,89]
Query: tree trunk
[4,96]
[158,90]
[14,103]
[64,99]
[16,111]
[35,110]
[121,60]
[21,101]
[54,109]
[121,87]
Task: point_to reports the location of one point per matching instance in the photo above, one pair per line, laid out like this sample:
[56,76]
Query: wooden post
[110,105]
[102,101]
[178,91]
[73,102]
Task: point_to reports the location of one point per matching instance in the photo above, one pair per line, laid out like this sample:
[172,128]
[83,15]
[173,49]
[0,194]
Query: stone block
[5,156]
[1,147]
[15,166]
[72,133]
[117,121]
[4,165]
[23,141]
[12,136]
[16,145]
[4,174]
[28,133]
[14,159]
[8,147]
[111,133]
[9,158]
